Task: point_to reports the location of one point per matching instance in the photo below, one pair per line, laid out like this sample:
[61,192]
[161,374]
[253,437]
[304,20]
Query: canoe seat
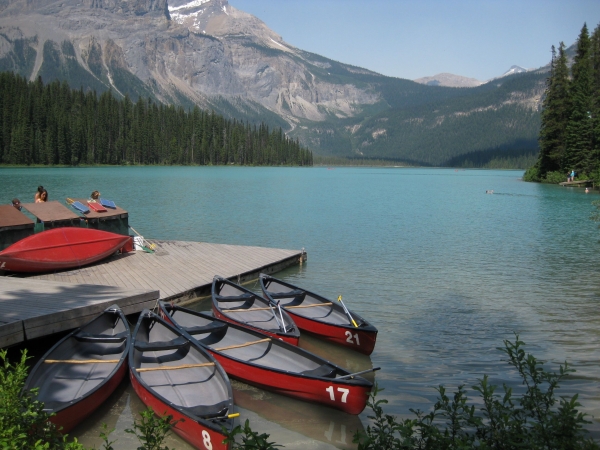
[173,344]
[324,371]
[209,411]
[101,338]
[234,298]
[294,293]
[210,328]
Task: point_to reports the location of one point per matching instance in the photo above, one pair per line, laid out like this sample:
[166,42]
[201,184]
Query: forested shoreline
[55,125]
[570,129]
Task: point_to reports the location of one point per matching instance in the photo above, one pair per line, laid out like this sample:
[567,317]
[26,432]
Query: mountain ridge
[210,54]
[452,80]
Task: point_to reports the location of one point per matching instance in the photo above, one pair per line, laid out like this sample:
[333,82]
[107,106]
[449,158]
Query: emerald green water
[445,271]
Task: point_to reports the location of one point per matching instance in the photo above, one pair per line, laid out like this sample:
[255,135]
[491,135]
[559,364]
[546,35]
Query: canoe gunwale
[291,336]
[100,392]
[212,423]
[295,384]
[345,334]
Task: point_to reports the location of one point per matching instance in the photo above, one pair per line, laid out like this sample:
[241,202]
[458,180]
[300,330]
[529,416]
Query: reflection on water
[444,271]
[315,422]
[119,413]
[342,356]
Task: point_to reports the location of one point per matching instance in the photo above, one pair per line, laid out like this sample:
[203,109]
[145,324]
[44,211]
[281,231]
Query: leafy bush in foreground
[533,420]
[23,421]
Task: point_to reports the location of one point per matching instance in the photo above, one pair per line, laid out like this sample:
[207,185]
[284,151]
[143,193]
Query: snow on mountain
[513,70]
[451,80]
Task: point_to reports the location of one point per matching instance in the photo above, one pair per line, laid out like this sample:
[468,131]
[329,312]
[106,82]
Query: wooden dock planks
[40,305]
[179,269]
[33,308]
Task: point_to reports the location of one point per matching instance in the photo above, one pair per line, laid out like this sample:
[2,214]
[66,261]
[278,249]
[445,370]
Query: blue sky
[415,38]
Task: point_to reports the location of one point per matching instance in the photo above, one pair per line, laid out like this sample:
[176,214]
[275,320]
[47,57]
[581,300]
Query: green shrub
[151,430]
[251,440]
[555,177]
[23,422]
[532,174]
[534,420]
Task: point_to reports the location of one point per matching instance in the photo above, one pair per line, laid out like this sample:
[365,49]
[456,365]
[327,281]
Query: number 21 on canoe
[319,316]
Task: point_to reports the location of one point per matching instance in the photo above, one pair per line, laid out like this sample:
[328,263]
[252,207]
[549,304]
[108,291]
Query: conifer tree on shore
[53,124]
[555,114]
[570,129]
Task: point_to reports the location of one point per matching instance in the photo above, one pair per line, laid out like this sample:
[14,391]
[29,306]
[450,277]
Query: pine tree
[595,63]
[579,142]
[555,115]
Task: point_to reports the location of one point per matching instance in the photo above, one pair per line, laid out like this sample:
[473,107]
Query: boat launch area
[33,306]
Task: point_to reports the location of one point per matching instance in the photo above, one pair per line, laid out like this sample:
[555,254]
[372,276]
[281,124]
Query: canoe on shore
[236,304]
[320,316]
[271,364]
[174,375]
[83,369]
[61,248]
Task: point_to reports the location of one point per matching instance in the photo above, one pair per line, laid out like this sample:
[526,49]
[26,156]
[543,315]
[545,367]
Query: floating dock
[40,305]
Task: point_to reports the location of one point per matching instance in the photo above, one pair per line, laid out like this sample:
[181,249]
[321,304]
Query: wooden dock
[177,271]
[578,183]
[181,270]
[30,309]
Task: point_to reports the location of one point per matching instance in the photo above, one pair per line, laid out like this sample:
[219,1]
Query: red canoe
[83,369]
[175,376]
[324,318]
[271,364]
[61,248]
[236,304]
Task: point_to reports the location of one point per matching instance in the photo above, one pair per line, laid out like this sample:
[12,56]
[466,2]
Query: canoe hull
[348,398]
[186,393]
[349,395]
[191,431]
[249,309]
[70,417]
[333,326]
[60,249]
[73,391]
[358,339]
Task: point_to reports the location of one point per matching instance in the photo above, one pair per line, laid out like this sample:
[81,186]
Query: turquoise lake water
[445,271]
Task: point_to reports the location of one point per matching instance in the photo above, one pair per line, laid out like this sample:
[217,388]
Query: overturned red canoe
[61,248]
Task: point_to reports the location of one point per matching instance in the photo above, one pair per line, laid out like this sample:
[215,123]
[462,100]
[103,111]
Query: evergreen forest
[53,124]
[570,124]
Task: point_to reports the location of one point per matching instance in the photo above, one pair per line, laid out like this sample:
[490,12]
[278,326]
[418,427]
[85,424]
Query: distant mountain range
[207,53]
[451,80]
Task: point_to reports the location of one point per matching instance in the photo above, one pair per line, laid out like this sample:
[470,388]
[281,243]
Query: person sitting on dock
[43,198]
[16,203]
[36,197]
[95,196]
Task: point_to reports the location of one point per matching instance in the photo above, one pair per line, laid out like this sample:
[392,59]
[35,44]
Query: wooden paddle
[81,361]
[285,307]
[184,366]
[352,375]
[144,241]
[347,312]
[241,345]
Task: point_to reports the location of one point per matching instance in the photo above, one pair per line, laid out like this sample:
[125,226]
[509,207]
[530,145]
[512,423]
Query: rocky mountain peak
[63,7]
[218,18]
[449,80]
